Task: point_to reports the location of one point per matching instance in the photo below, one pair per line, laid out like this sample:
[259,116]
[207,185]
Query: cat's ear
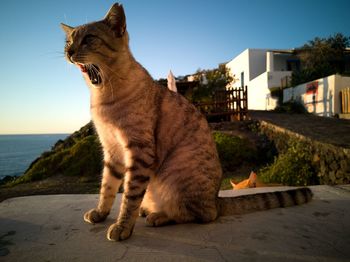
[67,29]
[115,19]
[253,177]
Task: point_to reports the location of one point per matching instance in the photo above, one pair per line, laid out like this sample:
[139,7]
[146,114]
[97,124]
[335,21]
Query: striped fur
[154,141]
[263,201]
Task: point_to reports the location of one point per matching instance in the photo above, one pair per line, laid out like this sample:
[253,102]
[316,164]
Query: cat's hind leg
[165,205]
[157,219]
[186,188]
[193,212]
[151,207]
[111,181]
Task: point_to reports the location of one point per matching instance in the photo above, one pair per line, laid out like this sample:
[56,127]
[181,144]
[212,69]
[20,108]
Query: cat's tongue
[82,68]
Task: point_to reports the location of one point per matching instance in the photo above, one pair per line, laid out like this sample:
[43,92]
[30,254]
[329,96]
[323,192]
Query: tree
[210,81]
[321,57]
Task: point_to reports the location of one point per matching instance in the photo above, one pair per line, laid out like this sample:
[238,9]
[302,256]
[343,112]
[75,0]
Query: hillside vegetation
[80,155]
[74,165]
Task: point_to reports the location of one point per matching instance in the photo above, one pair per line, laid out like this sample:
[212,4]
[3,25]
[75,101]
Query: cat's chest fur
[113,140]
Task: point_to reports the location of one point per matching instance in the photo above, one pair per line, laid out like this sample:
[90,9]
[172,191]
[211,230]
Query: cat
[154,141]
[251,182]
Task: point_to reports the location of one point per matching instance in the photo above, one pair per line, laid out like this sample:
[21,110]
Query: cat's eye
[88,40]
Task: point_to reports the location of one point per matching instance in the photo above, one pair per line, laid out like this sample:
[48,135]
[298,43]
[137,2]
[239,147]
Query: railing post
[227,104]
[347,99]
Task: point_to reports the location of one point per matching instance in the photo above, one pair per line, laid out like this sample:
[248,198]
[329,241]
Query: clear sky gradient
[41,93]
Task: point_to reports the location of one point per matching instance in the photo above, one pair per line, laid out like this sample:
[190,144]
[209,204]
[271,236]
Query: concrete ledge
[51,228]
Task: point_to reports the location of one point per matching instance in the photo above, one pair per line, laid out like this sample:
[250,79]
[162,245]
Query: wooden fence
[345,100]
[227,105]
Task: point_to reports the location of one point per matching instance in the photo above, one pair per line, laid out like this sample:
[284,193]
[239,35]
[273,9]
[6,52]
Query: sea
[17,152]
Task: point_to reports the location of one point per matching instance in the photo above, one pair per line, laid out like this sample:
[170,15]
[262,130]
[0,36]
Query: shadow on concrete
[51,228]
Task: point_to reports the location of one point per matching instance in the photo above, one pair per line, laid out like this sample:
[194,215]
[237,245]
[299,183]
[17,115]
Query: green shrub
[292,107]
[225,183]
[82,158]
[292,167]
[233,151]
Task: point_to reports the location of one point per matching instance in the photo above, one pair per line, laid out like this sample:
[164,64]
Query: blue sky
[41,93]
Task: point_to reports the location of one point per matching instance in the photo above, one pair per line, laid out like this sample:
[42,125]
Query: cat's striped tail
[262,201]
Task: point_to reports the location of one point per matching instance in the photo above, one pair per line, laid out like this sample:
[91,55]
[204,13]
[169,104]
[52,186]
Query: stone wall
[332,163]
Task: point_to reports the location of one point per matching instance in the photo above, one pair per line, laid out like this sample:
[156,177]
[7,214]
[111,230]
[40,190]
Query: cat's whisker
[110,81]
[112,74]
[109,78]
[53,54]
[95,72]
[69,66]
[65,18]
[57,57]
[80,58]
[111,87]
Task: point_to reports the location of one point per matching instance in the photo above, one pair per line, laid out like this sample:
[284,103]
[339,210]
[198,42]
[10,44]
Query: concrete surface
[51,228]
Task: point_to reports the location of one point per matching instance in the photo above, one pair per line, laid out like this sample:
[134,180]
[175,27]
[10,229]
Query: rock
[339,174]
[344,165]
[332,177]
[316,158]
[334,166]
[7,179]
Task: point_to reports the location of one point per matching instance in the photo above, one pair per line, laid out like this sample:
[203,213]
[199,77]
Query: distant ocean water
[17,152]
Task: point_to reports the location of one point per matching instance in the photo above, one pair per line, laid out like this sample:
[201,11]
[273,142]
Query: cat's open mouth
[93,72]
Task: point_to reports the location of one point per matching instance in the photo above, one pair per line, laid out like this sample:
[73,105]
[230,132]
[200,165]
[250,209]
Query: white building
[262,71]
[323,97]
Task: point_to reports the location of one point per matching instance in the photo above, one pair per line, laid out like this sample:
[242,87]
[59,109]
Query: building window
[293,65]
[242,79]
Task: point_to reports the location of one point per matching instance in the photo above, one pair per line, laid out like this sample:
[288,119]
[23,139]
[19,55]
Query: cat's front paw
[94,216]
[118,233]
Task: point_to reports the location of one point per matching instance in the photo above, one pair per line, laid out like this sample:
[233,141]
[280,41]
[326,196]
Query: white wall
[259,96]
[326,101]
[257,62]
[287,95]
[269,61]
[251,61]
[275,78]
[280,62]
[341,82]
[237,65]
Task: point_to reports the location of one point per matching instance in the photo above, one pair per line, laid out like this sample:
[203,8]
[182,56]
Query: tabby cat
[154,141]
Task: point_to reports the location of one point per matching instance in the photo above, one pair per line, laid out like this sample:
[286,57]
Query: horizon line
[33,134]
